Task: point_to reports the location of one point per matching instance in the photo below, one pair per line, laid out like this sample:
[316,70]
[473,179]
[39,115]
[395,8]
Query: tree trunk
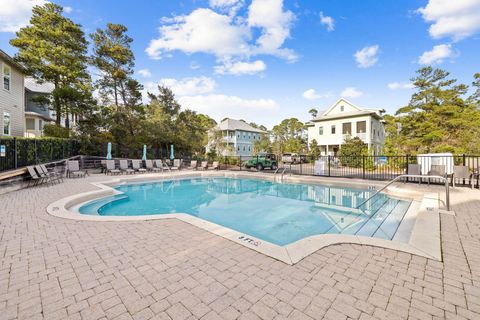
[115,92]
[56,105]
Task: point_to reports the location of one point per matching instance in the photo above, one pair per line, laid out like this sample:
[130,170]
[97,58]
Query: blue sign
[3,150]
[382,160]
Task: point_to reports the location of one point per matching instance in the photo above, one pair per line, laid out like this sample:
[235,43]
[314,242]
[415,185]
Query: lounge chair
[204,165]
[160,165]
[177,164]
[73,169]
[34,177]
[193,165]
[53,175]
[149,165]
[111,167]
[137,166]
[462,173]
[214,166]
[437,170]
[124,167]
[415,169]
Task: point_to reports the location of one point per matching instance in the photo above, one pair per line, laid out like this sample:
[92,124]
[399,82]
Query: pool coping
[423,236]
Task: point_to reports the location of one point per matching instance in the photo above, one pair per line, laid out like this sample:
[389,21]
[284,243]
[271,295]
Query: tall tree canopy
[289,136]
[54,49]
[439,117]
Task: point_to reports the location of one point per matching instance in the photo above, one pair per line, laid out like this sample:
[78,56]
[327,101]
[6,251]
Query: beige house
[344,119]
[12,97]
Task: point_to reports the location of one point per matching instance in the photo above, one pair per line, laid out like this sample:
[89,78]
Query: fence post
[36,152]
[363,167]
[328,157]
[240,162]
[464,159]
[15,154]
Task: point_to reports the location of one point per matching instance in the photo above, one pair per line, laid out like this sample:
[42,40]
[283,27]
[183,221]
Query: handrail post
[447,194]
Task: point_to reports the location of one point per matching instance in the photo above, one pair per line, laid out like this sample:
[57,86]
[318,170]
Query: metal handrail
[283,172]
[277,171]
[447,190]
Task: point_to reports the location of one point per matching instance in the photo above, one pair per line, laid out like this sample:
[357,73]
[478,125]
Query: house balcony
[361,135]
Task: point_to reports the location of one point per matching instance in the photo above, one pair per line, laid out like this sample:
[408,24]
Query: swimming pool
[280,213]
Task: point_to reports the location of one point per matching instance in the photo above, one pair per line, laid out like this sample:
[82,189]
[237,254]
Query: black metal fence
[360,167]
[20,152]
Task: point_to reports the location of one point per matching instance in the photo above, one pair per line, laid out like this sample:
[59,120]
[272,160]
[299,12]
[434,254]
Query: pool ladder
[278,171]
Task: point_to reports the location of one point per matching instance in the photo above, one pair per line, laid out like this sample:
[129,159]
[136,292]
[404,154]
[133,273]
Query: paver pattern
[54,268]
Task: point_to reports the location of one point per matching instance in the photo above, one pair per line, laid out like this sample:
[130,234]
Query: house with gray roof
[37,106]
[234,138]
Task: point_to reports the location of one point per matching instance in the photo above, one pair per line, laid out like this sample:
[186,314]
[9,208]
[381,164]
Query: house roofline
[12,61]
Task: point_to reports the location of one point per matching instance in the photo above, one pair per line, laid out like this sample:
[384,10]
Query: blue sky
[266,60]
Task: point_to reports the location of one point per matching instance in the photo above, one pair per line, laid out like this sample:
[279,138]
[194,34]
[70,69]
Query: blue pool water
[274,212]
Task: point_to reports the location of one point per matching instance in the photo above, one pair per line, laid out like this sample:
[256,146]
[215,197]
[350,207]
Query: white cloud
[351,92]
[367,57]
[185,86]
[219,106]
[15,14]
[144,73]
[67,9]
[452,18]
[437,55]
[230,6]
[310,94]
[275,23]
[400,85]
[240,68]
[329,22]
[227,36]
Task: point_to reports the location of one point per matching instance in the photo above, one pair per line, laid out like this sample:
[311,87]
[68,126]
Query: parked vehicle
[294,158]
[262,161]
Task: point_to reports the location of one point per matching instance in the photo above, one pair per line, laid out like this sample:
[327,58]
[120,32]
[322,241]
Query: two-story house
[37,107]
[12,97]
[344,119]
[234,138]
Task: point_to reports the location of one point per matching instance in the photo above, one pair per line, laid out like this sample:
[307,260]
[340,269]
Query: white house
[344,119]
[236,137]
[12,97]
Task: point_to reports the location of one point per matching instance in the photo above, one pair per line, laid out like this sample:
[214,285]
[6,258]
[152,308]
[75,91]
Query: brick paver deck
[167,269]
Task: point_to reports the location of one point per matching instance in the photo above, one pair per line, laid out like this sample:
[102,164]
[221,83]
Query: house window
[249,148]
[30,124]
[6,124]
[361,126]
[333,129]
[238,148]
[347,128]
[6,77]
[243,148]
[342,108]
[320,131]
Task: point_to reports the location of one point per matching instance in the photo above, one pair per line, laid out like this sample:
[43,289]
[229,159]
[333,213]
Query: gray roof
[10,60]
[347,115]
[33,85]
[232,124]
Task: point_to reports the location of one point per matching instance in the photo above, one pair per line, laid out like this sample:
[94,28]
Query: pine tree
[54,49]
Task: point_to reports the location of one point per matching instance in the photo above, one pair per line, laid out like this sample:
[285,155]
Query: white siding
[13,101]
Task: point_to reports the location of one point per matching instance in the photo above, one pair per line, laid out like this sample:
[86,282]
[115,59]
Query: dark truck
[262,161]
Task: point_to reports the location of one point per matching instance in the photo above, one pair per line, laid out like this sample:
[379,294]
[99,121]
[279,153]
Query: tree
[54,49]
[351,151]
[113,57]
[313,112]
[289,136]
[314,150]
[438,117]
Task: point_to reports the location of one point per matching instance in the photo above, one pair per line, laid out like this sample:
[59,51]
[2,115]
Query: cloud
[437,55]
[227,36]
[240,68]
[184,86]
[220,106]
[15,14]
[145,73]
[67,9]
[310,94]
[230,6]
[351,92]
[275,23]
[458,19]
[329,22]
[400,85]
[367,57]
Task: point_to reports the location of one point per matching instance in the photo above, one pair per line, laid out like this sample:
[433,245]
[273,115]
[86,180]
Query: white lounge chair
[124,167]
[177,164]
[204,165]
[160,165]
[137,166]
[111,167]
[214,166]
[73,169]
[193,165]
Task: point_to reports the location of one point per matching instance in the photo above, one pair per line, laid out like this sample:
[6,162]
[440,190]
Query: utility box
[428,159]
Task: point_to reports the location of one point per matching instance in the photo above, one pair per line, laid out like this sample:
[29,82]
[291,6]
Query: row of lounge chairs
[154,166]
[40,174]
[460,174]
